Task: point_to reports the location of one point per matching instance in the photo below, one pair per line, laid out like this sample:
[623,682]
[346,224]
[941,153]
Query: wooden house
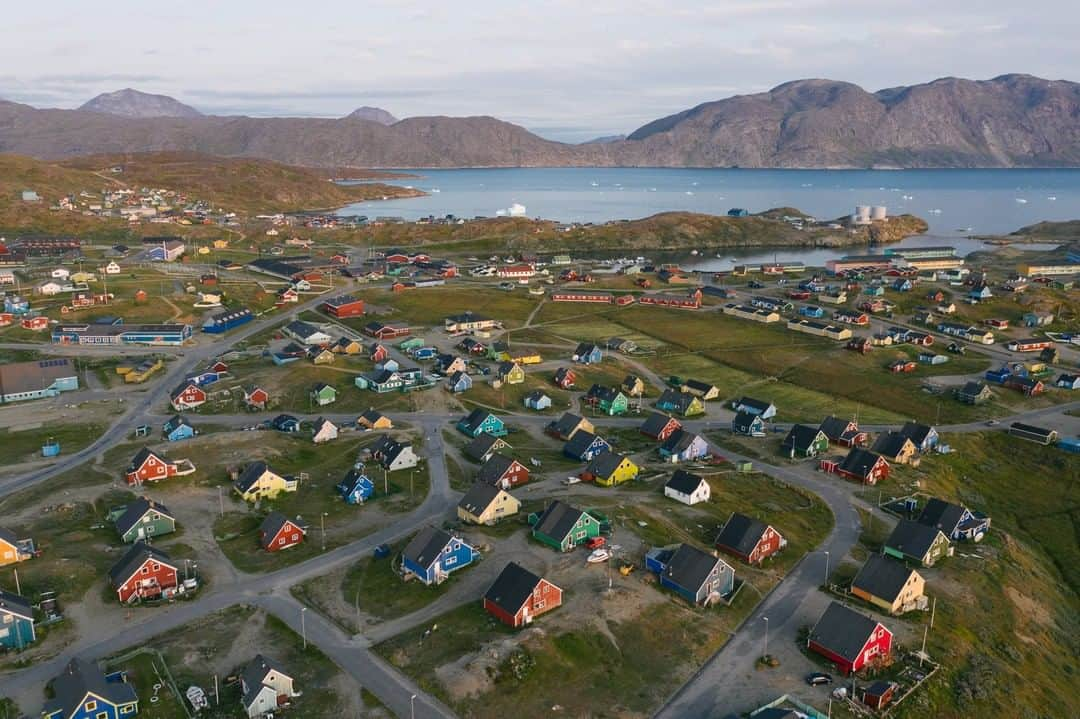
[687,488]
[256,397]
[537,400]
[564,378]
[587,353]
[567,426]
[889,584]
[480,420]
[955,521]
[697,576]
[17,622]
[748,425]
[503,472]
[356,487]
[277,532]
[323,430]
[608,400]
[609,469]
[563,527]
[849,639]
[702,390]
[373,419]
[143,519]
[895,447]
[517,596]
[804,441]
[659,426]
[265,687]
[584,446]
[484,445]
[767,410]
[432,554]
[144,572]
[917,542]
[633,385]
[459,382]
[486,504]
[845,433]
[323,394]
[82,684]
[683,446]
[860,465]
[187,396]
[258,481]
[749,539]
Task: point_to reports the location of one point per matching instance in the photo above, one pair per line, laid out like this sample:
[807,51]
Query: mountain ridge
[138,104]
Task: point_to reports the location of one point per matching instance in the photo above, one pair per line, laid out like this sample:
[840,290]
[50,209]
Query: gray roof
[912,538]
[475,420]
[7,536]
[133,559]
[833,427]
[744,420]
[557,520]
[79,678]
[270,526]
[479,498]
[301,328]
[250,475]
[944,515]
[655,423]
[699,385]
[890,444]
[175,421]
[843,631]
[684,482]
[512,587]
[11,603]
[690,567]
[603,464]
[254,674]
[494,468]
[741,533]
[563,425]
[916,432]
[882,577]
[801,437]
[135,511]
[679,440]
[859,461]
[426,546]
[757,404]
[579,442]
[35,375]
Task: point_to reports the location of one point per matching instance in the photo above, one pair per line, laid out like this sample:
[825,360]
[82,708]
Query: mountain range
[1007,121]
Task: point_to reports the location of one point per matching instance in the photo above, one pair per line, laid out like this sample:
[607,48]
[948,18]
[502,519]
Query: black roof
[512,588]
[426,546]
[743,421]
[254,674]
[912,538]
[271,526]
[11,603]
[603,393]
[882,577]
[859,461]
[476,418]
[757,404]
[684,482]
[741,533]
[140,457]
[135,511]
[603,464]
[890,444]
[1031,429]
[655,423]
[944,515]
[557,520]
[479,497]
[133,559]
[250,475]
[843,631]
[699,385]
[833,427]
[916,432]
[579,442]
[801,437]
[972,389]
[679,440]
[494,468]
[689,567]
[372,416]
[79,678]
[586,348]
[481,444]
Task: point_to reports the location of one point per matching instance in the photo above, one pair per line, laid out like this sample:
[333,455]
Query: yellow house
[486,504]
[83,277]
[633,385]
[347,346]
[140,372]
[889,584]
[373,419]
[609,469]
[323,356]
[511,373]
[220,244]
[258,481]
[10,552]
[529,358]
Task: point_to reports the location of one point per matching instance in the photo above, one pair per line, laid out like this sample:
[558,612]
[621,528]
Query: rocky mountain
[375,114]
[604,140]
[1009,121]
[132,103]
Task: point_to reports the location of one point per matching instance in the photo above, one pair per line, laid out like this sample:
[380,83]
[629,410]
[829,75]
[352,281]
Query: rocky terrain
[132,103]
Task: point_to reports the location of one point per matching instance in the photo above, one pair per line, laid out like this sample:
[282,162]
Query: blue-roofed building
[224,321]
[998,376]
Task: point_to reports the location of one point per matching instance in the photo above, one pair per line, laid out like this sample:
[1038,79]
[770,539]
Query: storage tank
[877,212]
[862,214]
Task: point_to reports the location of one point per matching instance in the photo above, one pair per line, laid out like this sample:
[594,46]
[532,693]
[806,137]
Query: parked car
[571,480]
[818,679]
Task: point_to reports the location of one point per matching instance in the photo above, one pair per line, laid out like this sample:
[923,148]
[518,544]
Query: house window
[103,715]
[450,561]
[145,570]
[91,706]
[538,605]
[295,536]
[156,566]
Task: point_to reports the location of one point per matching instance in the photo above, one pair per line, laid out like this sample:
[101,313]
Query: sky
[568,70]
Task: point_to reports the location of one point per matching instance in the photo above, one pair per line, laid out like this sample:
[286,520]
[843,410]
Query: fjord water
[956,203]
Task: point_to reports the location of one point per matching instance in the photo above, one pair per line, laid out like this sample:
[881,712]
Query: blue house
[998,375]
[981,293]
[1068,381]
[83,691]
[459,382]
[177,428]
[584,446]
[204,378]
[748,424]
[692,573]
[433,554]
[923,436]
[425,353]
[903,284]
[479,421]
[16,620]
[874,291]
[16,305]
[737,212]
[285,423]
[761,408]
[587,353]
[356,488]
[537,400]
[222,322]
[811,311]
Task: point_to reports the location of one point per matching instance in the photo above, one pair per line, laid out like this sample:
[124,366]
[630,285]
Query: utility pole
[18,589]
[385,482]
[765,653]
[826,569]
[303,625]
[322,527]
[217,695]
[221,502]
[412,706]
[933,607]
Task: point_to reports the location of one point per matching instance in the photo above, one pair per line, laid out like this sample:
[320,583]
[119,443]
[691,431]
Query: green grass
[428,308]
[25,445]
[142,676]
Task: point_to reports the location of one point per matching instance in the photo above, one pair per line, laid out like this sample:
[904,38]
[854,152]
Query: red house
[187,396]
[6,318]
[146,467]
[849,639]
[565,378]
[143,573]
[900,366]
[518,596]
[660,426]
[386,330]
[219,367]
[35,323]
[861,465]
[691,301]
[343,306]
[604,298]
[522,271]
[503,472]
[748,539]
[378,353]
[278,532]
[256,397]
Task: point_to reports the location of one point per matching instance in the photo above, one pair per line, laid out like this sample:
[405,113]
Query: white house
[60,274]
[687,488]
[7,277]
[263,683]
[112,269]
[323,431]
[50,288]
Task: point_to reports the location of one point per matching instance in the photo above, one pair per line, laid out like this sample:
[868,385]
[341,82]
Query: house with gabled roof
[323,394]
[704,390]
[323,430]
[608,400]
[804,441]
[306,333]
[537,400]
[393,455]
[633,385]
[861,465]
[917,542]
[356,487]
[278,532]
[149,466]
[510,373]
[923,436]
[257,481]
[889,584]
[256,397]
[517,596]
[697,576]
[82,691]
[843,432]
[849,639]
[683,446]
[480,420]
[177,428]
[502,471]
[565,378]
[749,539]
[682,403]
[955,521]
[483,446]
[609,469]
[687,488]
[373,419]
[144,572]
[12,549]
[16,622]
[659,426]
[563,526]
[974,393]
[459,382]
[584,446]
[433,554]
[486,504]
[188,395]
[754,406]
[568,425]
[748,425]
[265,686]
[588,353]
[895,447]
[142,519]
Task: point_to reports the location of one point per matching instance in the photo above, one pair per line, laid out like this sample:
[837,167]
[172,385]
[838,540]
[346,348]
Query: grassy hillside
[51,182]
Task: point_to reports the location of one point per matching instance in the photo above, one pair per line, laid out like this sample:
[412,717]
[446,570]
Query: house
[164,250]
[1038,319]
[563,527]
[682,403]
[609,469]
[469,322]
[564,378]
[393,455]
[447,364]
[187,396]
[347,346]
[517,596]
[1027,385]
[343,306]
[356,487]
[584,446]
[277,532]
[955,521]
[323,394]
[845,433]
[703,390]
[323,430]
[804,441]
[633,385]
[264,687]
[889,584]
[683,446]
[1068,381]
[980,293]
[747,424]
[258,481]
[177,428]
[16,622]
[83,691]
[879,694]
[537,400]
[144,519]
[306,333]
[659,426]
[567,426]
[694,574]
[480,420]
[486,504]
[974,393]
[433,554]
[373,419]
[256,397]
[687,488]
[483,446]
[749,539]
[754,406]
[49,288]
[1030,432]
[510,373]
[148,466]
[849,639]
[321,355]
[502,471]
[862,465]
[285,423]
[378,353]
[459,382]
[918,542]
[587,353]
[608,400]
[143,573]
[895,447]
[386,330]
[923,436]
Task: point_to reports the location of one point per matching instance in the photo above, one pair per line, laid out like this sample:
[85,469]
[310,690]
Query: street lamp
[303,625]
[766,652]
[412,706]
[826,569]
[322,527]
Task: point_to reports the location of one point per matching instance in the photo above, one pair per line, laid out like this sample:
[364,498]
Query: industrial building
[120,334]
[36,379]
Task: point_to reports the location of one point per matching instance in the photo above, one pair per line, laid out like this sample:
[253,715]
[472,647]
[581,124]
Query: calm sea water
[956,203]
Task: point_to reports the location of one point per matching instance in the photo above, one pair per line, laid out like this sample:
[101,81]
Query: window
[281,540]
[295,536]
[539,604]
[91,706]
[145,570]
[8,619]
[450,561]
[156,566]
[103,715]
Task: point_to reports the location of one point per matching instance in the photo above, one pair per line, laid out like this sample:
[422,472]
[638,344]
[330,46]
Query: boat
[1021,200]
[435,190]
[599,555]
[594,183]
[1052,197]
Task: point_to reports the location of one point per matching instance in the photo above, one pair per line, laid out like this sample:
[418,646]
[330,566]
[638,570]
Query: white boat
[1052,197]
[599,555]
[435,190]
[594,183]
[1021,200]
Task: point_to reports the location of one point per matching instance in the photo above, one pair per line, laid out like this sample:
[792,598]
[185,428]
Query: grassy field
[25,445]
[428,308]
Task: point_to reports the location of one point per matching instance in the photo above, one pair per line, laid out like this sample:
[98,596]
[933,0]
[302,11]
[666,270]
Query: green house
[608,400]
[142,519]
[411,344]
[323,394]
[563,527]
[804,441]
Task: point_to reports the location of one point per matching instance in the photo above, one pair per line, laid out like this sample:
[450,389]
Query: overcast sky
[566,69]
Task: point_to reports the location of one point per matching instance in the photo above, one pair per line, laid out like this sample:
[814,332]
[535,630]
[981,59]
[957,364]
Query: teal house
[480,421]
[16,622]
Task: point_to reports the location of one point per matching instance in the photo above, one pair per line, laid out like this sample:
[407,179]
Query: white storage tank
[878,212]
[862,214]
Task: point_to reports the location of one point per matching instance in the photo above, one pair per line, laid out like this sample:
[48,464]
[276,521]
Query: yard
[24,444]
